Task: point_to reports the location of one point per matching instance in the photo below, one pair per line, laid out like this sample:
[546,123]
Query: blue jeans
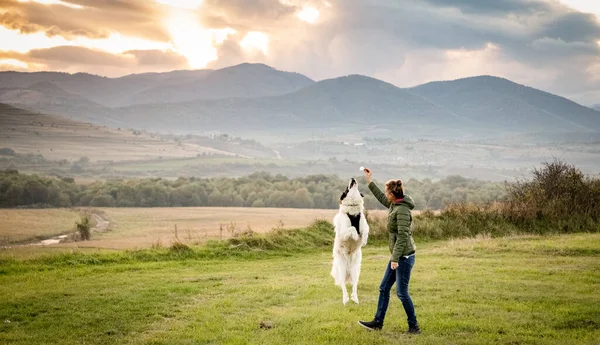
[400,276]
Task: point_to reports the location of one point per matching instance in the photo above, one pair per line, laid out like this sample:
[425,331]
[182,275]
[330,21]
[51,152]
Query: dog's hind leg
[354,274]
[344,294]
[338,272]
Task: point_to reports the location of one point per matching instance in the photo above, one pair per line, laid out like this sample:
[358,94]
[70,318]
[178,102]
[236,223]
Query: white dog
[351,233]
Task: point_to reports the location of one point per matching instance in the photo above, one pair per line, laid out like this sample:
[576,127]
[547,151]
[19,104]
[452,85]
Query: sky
[553,45]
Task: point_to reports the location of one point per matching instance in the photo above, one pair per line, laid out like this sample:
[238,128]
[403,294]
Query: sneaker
[371,325]
[414,329]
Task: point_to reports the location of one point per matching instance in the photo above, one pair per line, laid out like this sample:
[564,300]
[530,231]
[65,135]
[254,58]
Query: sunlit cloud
[462,54]
[587,6]
[220,35]
[13,40]
[255,41]
[186,4]
[308,14]
[117,43]
[13,63]
[54,2]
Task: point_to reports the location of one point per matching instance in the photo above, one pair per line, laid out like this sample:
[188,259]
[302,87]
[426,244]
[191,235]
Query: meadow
[524,271]
[511,290]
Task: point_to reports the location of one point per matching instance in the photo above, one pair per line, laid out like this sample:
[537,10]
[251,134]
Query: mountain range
[256,100]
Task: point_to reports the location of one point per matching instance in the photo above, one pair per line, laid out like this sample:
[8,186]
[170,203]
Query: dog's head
[351,200]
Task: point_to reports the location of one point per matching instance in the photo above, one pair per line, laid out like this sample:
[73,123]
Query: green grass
[516,290]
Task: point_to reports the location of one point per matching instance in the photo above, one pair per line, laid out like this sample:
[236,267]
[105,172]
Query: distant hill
[352,103]
[59,138]
[255,100]
[47,97]
[245,80]
[504,105]
[469,108]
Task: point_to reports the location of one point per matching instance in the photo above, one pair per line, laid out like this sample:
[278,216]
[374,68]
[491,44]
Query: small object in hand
[362,168]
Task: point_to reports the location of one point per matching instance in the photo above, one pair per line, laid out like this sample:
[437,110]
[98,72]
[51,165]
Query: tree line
[256,190]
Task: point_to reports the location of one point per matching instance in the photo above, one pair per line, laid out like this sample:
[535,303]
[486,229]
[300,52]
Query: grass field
[520,290]
[131,228]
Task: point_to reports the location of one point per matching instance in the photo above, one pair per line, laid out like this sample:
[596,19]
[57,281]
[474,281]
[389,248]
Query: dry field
[22,225]
[134,228]
[131,228]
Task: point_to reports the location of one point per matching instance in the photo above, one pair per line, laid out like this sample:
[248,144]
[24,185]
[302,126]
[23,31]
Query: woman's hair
[395,188]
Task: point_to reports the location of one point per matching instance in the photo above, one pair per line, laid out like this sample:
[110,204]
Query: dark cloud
[494,7]
[572,27]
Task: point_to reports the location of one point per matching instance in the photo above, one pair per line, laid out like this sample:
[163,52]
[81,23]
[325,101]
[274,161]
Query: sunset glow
[309,15]
[54,2]
[191,40]
[116,43]
[13,63]
[256,41]
[187,4]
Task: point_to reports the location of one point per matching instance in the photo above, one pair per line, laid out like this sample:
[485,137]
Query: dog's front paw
[354,233]
[355,298]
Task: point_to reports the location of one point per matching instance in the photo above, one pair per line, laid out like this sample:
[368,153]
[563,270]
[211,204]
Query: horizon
[550,45]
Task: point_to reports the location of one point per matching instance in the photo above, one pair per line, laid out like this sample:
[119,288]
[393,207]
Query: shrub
[84,228]
[558,199]
[558,194]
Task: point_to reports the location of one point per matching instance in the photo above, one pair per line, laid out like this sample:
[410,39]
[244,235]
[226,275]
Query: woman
[402,248]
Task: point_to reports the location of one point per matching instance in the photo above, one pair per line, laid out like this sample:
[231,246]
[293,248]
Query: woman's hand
[393,265]
[368,175]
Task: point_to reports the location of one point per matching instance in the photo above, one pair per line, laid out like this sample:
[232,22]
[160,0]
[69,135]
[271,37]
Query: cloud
[78,59]
[246,15]
[503,7]
[96,19]
[158,58]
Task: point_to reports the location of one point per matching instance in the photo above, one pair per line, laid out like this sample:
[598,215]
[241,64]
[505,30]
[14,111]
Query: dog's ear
[344,194]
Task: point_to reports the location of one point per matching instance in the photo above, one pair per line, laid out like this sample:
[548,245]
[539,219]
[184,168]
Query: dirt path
[102,223]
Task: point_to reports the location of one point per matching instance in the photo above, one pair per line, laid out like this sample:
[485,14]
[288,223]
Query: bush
[84,228]
[558,199]
[558,194]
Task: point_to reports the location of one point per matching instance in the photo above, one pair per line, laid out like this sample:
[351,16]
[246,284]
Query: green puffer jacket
[399,223]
